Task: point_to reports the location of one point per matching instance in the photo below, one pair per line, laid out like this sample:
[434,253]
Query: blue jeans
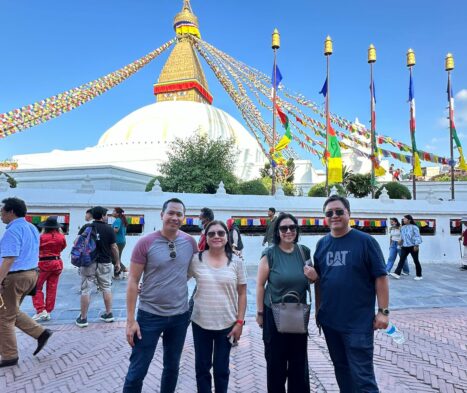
[206,343]
[393,252]
[152,326]
[352,356]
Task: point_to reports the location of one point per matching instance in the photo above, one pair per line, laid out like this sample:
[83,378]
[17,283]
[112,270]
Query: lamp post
[371,61]
[327,53]
[449,66]
[276,43]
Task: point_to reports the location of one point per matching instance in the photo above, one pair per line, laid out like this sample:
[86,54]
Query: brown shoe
[8,363]
[42,340]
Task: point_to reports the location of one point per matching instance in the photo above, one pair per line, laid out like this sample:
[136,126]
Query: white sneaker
[418,278]
[394,275]
[47,317]
[405,274]
[40,316]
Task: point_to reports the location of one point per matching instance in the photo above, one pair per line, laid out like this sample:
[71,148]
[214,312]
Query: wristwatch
[384,311]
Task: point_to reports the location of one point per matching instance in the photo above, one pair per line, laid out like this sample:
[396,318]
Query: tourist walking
[19,252]
[99,273]
[269,235]
[352,275]
[163,256]
[410,241]
[52,243]
[206,215]
[282,268]
[234,237]
[119,226]
[463,239]
[395,247]
[219,307]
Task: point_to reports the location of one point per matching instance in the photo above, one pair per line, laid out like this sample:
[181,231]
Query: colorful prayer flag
[462,163]
[285,140]
[416,158]
[379,170]
[278,77]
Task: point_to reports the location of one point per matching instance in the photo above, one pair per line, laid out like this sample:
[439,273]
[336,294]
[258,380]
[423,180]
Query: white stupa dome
[140,140]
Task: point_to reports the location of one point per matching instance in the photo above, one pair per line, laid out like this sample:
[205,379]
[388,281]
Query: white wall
[442,247]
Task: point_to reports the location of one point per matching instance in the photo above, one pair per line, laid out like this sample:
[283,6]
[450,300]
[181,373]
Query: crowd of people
[347,273]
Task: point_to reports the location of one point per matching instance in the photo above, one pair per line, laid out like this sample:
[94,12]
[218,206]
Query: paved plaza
[432,314]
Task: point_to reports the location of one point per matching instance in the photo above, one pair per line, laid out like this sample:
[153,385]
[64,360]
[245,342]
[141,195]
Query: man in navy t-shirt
[352,274]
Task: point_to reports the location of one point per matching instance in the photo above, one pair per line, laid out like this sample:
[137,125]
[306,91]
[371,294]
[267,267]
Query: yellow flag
[417,168]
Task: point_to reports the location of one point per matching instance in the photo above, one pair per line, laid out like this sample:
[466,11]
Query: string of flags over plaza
[307,126]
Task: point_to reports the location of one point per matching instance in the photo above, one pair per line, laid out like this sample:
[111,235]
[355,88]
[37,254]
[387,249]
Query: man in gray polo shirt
[162,259]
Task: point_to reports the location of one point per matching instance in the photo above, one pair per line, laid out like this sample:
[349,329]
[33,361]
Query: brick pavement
[95,359]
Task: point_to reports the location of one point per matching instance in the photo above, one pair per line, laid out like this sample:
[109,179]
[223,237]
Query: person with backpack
[99,271]
[235,239]
[52,243]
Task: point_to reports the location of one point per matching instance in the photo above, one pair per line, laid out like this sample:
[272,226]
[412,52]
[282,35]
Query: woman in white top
[395,246]
[219,307]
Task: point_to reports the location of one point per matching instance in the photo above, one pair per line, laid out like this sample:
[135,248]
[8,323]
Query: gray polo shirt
[164,290]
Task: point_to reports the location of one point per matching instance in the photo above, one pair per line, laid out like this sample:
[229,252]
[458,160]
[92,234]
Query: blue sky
[51,46]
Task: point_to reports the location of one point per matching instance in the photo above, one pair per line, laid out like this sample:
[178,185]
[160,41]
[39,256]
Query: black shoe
[81,322]
[107,317]
[42,340]
[8,363]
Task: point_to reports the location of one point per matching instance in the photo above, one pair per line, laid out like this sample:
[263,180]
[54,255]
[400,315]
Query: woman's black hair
[398,224]
[120,212]
[277,237]
[410,218]
[228,247]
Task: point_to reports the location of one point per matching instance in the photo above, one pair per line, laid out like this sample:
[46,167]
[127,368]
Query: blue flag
[278,77]
[324,90]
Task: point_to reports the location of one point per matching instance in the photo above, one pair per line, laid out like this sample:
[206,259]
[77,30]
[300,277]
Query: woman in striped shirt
[219,307]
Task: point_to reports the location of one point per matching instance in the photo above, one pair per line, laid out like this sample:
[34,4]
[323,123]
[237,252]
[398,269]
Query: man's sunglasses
[172,250]
[339,213]
[285,228]
[211,234]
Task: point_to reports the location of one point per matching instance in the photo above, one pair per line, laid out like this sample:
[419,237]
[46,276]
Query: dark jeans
[352,356]
[206,342]
[151,325]
[286,358]
[123,268]
[405,251]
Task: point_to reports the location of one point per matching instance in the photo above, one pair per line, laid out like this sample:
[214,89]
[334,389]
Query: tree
[287,187]
[395,190]
[253,187]
[11,180]
[359,185]
[198,164]
[319,190]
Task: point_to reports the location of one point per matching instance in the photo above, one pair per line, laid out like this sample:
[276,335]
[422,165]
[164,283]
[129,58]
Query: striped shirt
[216,298]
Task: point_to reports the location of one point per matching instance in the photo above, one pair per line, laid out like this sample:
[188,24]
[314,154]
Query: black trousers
[286,358]
[405,251]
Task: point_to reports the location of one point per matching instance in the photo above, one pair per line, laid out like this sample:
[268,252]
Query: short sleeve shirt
[216,298]
[164,290]
[21,240]
[285,274]
[348,267]
[120,235]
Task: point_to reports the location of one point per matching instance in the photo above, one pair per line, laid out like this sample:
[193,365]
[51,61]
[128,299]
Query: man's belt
[22,271]
[49,258]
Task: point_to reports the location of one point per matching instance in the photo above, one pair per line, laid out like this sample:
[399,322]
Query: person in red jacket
[52,243]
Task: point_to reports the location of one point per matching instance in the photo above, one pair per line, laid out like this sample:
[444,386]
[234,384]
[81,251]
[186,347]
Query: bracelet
[240,322]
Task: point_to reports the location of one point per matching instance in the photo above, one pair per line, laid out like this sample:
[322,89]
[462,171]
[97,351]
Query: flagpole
[276,41]
[410,64]
[449,66]
[371,61]
[327,53]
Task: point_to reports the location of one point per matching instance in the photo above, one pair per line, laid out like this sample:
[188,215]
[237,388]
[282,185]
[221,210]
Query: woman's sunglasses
[339,213]
[285,228]
[172,250]
[211,234]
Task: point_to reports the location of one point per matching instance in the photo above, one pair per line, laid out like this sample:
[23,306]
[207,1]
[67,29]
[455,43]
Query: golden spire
[182,78]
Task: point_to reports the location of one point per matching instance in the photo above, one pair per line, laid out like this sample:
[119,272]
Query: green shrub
[319,190]
[359,185]
[395,190]
[253,187]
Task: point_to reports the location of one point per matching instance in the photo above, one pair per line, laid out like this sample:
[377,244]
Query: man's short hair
[334,198]
[16,205]
[98,212]
[172,200]
[207,213]
[272,209]
[89,211]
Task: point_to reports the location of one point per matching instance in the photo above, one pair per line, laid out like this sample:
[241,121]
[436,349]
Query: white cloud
[461,95]
[460,112]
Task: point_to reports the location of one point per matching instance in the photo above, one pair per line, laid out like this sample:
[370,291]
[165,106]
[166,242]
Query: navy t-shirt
[347,267]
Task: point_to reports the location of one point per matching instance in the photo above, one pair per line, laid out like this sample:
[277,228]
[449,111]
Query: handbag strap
[308,288]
